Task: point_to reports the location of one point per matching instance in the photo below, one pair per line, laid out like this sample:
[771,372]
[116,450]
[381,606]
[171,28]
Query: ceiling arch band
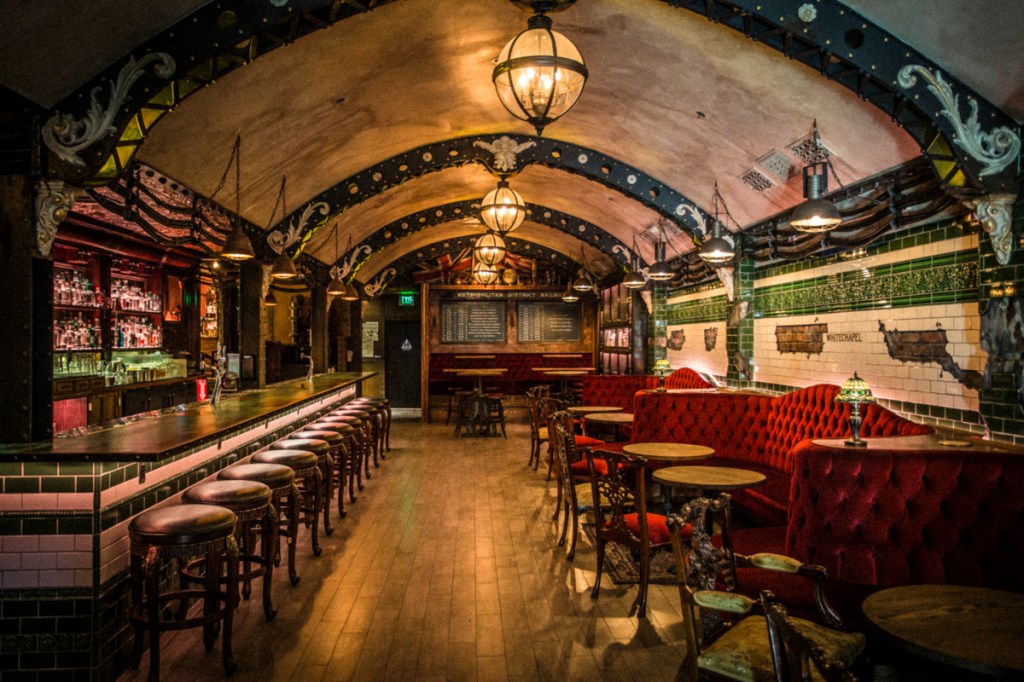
[837,42]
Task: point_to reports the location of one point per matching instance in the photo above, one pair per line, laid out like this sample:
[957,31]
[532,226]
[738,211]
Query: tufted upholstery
[758,431]
[684,377]
[892,517]
[616,390]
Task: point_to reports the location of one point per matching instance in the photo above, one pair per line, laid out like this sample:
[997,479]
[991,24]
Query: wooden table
[670,452]
[616,419]
[479,422]
[593,409]
[973,628]
[697,480]
[563,377]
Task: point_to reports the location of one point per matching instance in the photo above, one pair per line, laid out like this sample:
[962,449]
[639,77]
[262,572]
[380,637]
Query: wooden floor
[445,569]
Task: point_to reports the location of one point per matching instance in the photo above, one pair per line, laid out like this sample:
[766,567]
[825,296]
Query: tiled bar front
[64,543]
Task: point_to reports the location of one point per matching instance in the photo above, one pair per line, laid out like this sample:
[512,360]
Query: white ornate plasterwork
[66,137]
[279,240]
[647,296]
[697,216]
[995,150]
[376,285]
[266,280]
[54,199]
[350,262]
[995,213]
[727,275]
[505,150]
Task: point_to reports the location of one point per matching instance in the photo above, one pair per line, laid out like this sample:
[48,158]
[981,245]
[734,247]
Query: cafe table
[563,377]
[581,410]
[971,628]
[615,419]
[698,480]
[670,452]
[479,423]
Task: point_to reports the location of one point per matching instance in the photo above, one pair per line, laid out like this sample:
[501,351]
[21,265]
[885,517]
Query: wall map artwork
[801,338]
[925,347]
[676,340]
[710,338]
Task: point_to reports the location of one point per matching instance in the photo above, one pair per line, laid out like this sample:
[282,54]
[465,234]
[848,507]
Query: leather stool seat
[251,501]
[325,449]
[350,429]
[179,533]
[284,498]
[308,472]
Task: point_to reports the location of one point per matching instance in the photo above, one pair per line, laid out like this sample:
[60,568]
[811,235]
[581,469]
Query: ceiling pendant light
[336,287]
[540,74]
[283,268]
[634,279]
[237,246]
[718,249]
[570,295]
[350,293]
[816,214]
[270,300]
[502,209]
[582,283]
[661,271]
[484,273]
[489,248]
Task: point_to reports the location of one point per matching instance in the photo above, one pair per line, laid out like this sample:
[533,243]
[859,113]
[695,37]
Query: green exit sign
[406,298]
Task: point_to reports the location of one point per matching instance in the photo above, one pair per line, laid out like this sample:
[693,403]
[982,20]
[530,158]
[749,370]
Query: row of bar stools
[322,450]
[350,465]
[360,440]
[336,472]
[368,425]
[385,405]
[308,478]
[284,496]
[251,503]
[180,533]
[373,417]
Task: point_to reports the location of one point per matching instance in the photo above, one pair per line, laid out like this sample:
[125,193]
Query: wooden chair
[797,657]
[572,496]
[620,516]
[537,422]
[728,641]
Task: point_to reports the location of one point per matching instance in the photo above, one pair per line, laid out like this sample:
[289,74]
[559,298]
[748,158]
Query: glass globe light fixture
[484,273]
[489,248]
[540,74]
[502,209]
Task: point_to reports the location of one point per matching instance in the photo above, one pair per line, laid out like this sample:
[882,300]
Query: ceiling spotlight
[502,209]
[540,74]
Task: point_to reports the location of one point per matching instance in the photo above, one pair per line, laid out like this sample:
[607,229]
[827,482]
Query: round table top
[482,372]
[670,451]
[709,478]
[611,418]
[974,628]
[567,372]
[593,409]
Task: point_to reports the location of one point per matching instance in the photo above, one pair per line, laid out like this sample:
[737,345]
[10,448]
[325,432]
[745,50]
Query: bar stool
[359,444]
[455,396]
[347,461]
[368,417]
[284,497]
[251,503]
[496,413]
[308,478]
[386,404]
[377,417]
[181,532]
[336,440]
[322,449]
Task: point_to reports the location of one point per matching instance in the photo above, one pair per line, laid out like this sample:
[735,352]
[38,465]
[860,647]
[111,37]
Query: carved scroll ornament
[995,150]
[66,137]
[375,286]
[279,240]
[54,199]
[995,213]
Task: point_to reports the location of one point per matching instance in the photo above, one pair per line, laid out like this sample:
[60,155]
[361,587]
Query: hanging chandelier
[718,249]
[502,209]
[816,214]
[540,74]
[484,273]
[489,248]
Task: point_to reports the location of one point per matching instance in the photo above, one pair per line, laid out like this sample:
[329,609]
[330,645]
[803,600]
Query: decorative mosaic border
[713,309]
[947,278]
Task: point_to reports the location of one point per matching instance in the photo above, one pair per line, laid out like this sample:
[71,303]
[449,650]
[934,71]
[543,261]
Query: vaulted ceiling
[384,111]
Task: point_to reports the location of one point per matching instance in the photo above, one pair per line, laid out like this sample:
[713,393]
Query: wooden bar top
[154,438]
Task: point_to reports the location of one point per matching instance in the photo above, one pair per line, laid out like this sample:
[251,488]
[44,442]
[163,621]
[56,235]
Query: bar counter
[65,507]
[155,438]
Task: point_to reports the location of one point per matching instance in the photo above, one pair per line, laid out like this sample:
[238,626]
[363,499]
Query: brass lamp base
[856,443]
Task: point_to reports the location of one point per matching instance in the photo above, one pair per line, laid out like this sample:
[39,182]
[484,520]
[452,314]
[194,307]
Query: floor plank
[445,569]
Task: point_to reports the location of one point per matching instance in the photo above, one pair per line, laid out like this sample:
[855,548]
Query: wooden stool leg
[151,576]
[138,582]
[293,531]
[211,597]
[231,560]
[327,492]
[268,545]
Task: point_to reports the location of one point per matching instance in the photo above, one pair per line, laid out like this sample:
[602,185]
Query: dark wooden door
[402,362]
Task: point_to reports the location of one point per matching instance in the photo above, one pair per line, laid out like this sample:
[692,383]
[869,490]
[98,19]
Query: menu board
[472,322]
[541,322]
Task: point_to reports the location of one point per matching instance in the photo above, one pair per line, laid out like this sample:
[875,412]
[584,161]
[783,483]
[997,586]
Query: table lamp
[662,369]
[855,391]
